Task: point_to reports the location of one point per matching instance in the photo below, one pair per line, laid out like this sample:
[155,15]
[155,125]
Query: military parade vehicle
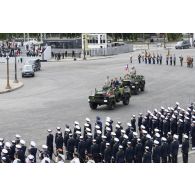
[110,96]
[135,82]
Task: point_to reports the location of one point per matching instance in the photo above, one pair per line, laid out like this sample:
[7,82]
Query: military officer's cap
[1,139]
[81,137]
[125,136]
[120,147]
[99,132]
[193,122]
[116,139]
[113,133]
[22,142]
[133,116]
[172,108]
[49,130]
[4,151]
[189,109]
[18,136]
[156,142]
[107,123]
[175,136]
[76,122]
[157,134]
[138,139]
[44,147]
[108,128]
[89,134]
[155,117]
[187,113]
[180,120]
[162,116]
[177,103]
[128,143]
[77,127]
[1,143]
[88,129]
[104,137]
[87,119]
[144,132]
[155,110]
[59,132]
[135,133]
[107,144]
[58,128]
[3,159]
[78,132]
[140,114]
[108,119]
[119,122]
[149,112]
[147,148]
[142,126]
[117,126]
[94,140]
[97,127]
[193,117]
[129,124]
[86,125]
[169,133]
[156,130]
[185,136]
[18,146]
[122,131]
[148,136]
[7,144]
[163,139]
[32,143]
[173,116]
[67,130]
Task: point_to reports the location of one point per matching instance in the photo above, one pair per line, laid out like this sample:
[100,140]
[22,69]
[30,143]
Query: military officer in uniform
[49,143]
[164,150]
[185,149]
[81,149]
[33,150]
[133,123]
[193,134]
[156,152]
[147,157]
[120,156]
[70,147]
[129,154]
[107,153]
[174,148]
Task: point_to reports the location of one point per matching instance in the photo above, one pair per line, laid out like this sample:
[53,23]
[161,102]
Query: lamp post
[8,85]
[84,54]
[16,79]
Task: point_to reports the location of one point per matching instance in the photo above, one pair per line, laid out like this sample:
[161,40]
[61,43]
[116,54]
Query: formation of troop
[157,58]
[154,137]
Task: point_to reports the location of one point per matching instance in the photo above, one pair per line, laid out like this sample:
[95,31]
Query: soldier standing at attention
[185,149]
[181,60]
[174,60]
[49,143]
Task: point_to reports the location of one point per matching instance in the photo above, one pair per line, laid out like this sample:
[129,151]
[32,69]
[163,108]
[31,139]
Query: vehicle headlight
[136,82]
[88,100]
[133,86]
[105,100]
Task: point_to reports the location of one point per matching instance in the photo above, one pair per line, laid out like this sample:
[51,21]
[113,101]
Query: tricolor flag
[127,67]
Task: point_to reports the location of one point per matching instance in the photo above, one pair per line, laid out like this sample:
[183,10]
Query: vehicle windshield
[179,43]
[28,67]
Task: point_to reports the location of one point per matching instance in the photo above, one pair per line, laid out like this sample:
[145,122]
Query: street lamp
[15,80]
[8,85]
[84,57]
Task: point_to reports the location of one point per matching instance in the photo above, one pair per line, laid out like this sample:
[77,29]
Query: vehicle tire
[126,100]
[93,106]
[136,91]
[33,75]
[111,105]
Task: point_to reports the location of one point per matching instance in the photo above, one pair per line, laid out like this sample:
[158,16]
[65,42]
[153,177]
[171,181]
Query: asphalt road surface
[58,94]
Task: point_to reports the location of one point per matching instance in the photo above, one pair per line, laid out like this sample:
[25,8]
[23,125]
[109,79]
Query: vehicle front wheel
[93,106]
[126,100]
[143,88]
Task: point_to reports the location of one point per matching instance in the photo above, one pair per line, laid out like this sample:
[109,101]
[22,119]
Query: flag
[127,67]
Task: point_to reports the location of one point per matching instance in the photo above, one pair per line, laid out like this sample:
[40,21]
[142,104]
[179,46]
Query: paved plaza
[59,92]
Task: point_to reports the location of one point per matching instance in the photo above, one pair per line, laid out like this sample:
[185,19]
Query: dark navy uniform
[164,152]
[174,150]
[95,152]
[138,153]
[49,143]
[107,155]
[185,150]
[59,144]
[147,157]
[129,154]
[70,148]
[81,150]
[156,154]
[33,151]
[120,156]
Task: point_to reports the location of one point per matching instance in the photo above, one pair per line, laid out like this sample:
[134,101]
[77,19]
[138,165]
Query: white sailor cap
[185,136]
[58,128]
[140,114]
[135,133]
[1,143]
[193,117]
[162,116]
[144,132]
[133,116]
[67,130]
[119,122]
[107,123]
[78,132]
[187,113]
[155,110]
[183,110]
[81,137]
[156,130]
[1,139]
[116,139]
[30,157]
[177,103]
[180,114]
[189,109]
[108,128]
[59,132]
[107,144]
[175,136]
[77,127]
[89,134]
[193,122]
[169,108]
[113,133]
[154,117]
[157,135]
[117,126]
[104,137]
[163,139]
[162,107]
[88,129]
[169,133]
[122,131]
[125,136]
[94,140]
[13,141]
[18,146]
[70,134]
[87,119]
[49,130]
[76,122]
[128,142]
[121,147]
[180,120]
[142,127]
[22,142]
[3,158]
[129,124]
[173,116]
[97,127]
[4,151]
[172,108]
[86,125]
[18,136]
[44,147]
[147,148]
[175,112]
[148,136]
[99,132]
[156,142]
[32,143]
[138,139]
[178,108]
[7,144]
[108,119]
